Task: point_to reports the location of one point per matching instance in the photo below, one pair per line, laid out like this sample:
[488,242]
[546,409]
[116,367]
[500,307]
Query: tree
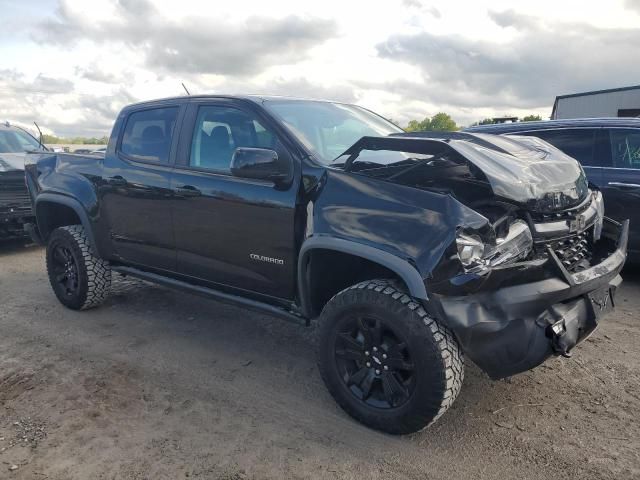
[440,122]
[52,140]
[416,126]
[531,118]
[486,121]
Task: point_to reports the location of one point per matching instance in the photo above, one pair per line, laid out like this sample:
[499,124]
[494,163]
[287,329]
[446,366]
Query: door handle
[188,191]
[623,185]
[117,181]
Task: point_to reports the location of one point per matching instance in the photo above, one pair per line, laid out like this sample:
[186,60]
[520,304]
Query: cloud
[541,61]
[96,74]
[633,5]
[511,18]
[106,107]
[13,82]
[418,4]
[301,87]
[56,106]
[192,45]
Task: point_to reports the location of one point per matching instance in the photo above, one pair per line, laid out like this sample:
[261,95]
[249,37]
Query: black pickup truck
[407,250]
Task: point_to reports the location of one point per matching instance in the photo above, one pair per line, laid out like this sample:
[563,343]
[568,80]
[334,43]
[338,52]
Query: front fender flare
[407,272]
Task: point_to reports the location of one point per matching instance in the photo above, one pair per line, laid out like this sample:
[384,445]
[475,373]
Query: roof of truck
[248,96]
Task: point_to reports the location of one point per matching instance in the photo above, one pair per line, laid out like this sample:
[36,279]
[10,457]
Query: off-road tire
[437,358]
[93,273]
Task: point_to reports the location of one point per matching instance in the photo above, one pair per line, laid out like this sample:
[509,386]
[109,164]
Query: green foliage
[531,118]
[440,122]
[491,121]
[53,140]
[486,121]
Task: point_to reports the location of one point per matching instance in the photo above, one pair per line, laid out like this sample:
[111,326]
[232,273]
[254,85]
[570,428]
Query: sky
[71,65]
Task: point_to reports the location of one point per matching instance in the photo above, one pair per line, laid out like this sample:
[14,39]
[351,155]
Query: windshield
[328,129]
[16,141]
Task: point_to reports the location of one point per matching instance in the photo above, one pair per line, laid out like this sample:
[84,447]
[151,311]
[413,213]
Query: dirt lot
[159,384]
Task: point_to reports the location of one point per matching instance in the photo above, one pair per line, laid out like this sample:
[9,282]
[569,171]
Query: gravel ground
[160,384]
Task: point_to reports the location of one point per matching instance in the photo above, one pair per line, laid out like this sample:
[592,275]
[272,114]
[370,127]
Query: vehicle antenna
[40,132]
[185,89]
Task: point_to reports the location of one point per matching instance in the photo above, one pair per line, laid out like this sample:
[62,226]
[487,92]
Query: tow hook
[559,341]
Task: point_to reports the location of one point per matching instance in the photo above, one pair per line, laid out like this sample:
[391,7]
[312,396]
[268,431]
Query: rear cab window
[148,134]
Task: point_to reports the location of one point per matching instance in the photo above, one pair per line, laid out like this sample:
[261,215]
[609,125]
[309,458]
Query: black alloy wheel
[65,270]
[384,360]
[79,278]
[374,362]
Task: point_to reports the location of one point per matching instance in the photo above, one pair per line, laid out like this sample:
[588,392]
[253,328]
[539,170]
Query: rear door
[230,231]
[621,185]
[135,198]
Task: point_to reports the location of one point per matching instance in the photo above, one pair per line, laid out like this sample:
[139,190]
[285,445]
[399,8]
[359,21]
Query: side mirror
[261,164]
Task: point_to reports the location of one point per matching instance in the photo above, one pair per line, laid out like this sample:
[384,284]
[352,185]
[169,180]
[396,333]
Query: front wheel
[79,278]
[385,361]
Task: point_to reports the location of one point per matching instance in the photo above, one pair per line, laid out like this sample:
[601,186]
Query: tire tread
[447,348]
[98,271]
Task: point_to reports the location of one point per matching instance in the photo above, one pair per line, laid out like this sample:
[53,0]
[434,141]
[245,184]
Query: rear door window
[578,143]
[148,134]
[625,148]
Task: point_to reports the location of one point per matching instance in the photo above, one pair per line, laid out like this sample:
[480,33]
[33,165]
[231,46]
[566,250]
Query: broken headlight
[597,227]
[477,256]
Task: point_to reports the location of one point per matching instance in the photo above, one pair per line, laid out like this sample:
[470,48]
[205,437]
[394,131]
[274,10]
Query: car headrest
[152,132]
[220,137]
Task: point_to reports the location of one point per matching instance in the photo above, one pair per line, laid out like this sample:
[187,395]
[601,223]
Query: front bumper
[517,326]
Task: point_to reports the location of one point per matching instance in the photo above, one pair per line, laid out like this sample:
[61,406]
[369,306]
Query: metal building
[614,102]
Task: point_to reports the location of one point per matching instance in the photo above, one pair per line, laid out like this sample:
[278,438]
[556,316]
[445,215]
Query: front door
[231,231]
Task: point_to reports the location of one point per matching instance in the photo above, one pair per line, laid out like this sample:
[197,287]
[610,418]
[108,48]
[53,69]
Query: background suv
[609,151]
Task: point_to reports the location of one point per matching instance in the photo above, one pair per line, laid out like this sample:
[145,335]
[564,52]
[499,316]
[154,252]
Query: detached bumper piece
[13,221]
[516,328]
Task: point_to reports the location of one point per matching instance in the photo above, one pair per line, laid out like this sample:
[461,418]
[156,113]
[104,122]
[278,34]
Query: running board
[211,293]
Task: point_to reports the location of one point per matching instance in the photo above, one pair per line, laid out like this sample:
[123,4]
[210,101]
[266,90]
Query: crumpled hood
[12,161]
[527,170]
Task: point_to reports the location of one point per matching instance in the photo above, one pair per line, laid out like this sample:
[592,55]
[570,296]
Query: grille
[564,214]
[14,194]
[575,251]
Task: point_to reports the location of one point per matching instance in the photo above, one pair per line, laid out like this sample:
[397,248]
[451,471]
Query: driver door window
[219,131]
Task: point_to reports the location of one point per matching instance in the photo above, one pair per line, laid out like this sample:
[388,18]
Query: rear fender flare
[72,203]
[408,273]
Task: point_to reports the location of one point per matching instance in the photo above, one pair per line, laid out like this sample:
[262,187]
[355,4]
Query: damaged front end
[509,318]
[533,279]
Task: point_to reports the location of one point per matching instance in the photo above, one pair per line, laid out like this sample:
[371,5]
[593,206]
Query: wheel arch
[55,210]
[397,266]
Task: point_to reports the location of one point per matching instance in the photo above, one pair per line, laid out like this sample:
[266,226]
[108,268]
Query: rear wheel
[78,277]
[385,361]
